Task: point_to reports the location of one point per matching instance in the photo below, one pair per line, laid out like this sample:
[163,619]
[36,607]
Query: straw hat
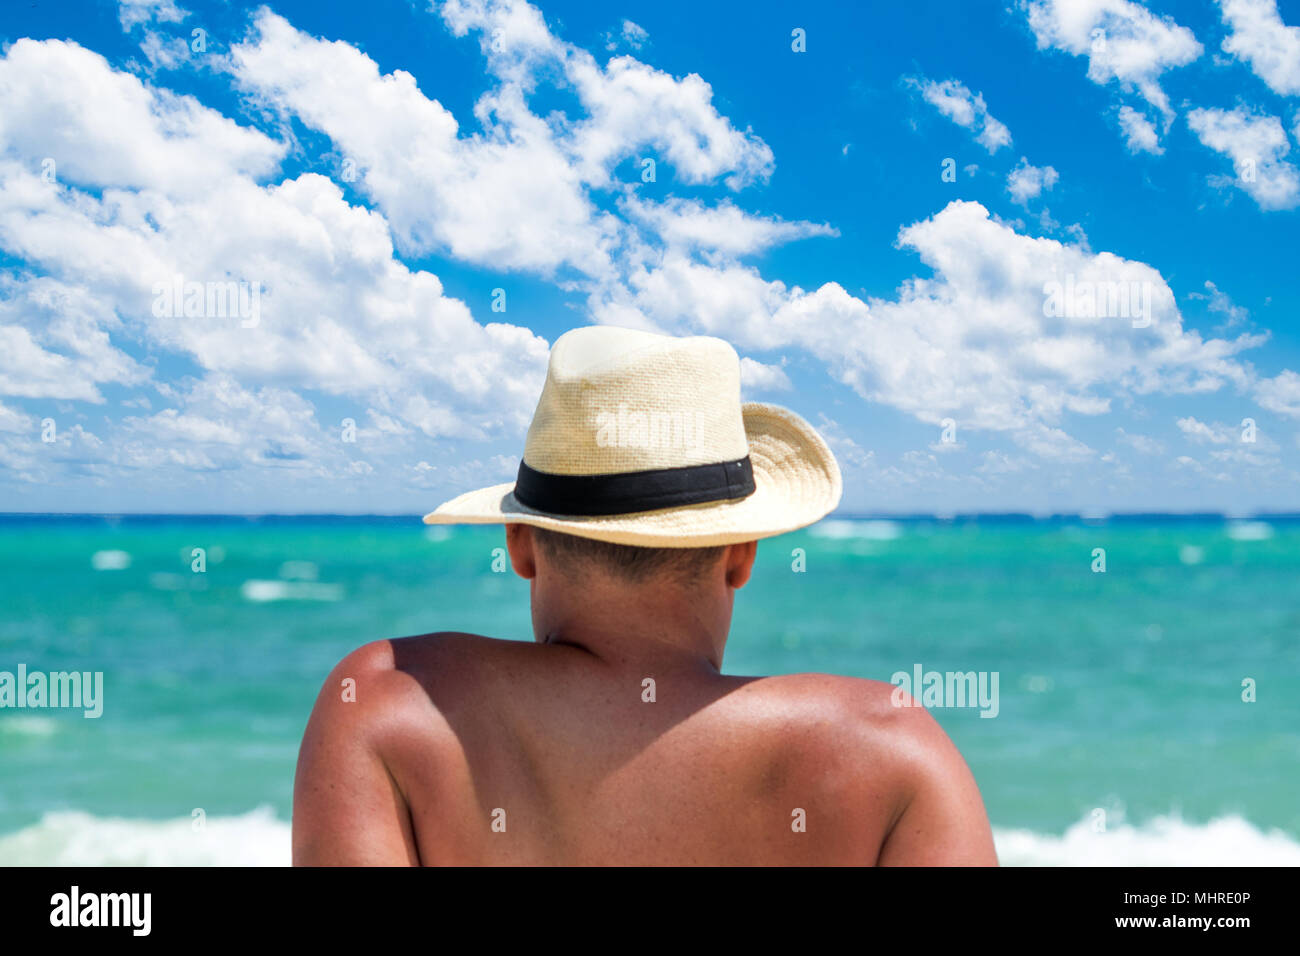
[642,439]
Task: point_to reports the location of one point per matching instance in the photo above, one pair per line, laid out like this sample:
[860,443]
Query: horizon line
[833,516]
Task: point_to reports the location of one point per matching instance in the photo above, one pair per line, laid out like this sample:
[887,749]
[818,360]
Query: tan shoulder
[853,700]
[855,722]
[384,679]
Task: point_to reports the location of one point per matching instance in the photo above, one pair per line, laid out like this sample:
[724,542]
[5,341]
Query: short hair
[630,563]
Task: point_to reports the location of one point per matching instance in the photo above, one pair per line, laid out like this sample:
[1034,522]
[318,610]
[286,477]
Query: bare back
[464,750]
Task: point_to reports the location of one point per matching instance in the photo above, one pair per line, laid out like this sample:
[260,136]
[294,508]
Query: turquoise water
[1119,691]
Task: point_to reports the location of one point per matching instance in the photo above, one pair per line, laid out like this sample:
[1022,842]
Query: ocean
[1147,713]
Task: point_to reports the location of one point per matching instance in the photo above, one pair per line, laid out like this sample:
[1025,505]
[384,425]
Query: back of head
[629,564]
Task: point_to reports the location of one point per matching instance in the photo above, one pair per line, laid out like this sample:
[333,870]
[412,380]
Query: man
[615,738]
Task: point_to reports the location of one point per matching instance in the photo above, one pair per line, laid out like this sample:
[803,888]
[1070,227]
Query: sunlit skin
[465,750]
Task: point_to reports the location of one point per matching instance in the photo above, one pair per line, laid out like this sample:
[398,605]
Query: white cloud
[633,106]
[132,13]
[1280,394]
[102,128]
[1260,39]
[510,199]
[1027,182]
[1219,302]
[12,420]
[162,51]
[220,425]
[974,342]
[630,35]
[151,185]
[848,452]
[1201,433]
[954,100]
[178,196]
[630,106]
[1139,131]
[721,228]
[757,377]
[1226,445]
[997,463]
[1142,443]
[1256,144]
[515,196]
[55,341]
[1123,41]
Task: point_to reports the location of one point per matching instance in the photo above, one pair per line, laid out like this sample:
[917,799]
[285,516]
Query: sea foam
[260,592]
[73,838]
[1162,841]
[870,530]
[258,838]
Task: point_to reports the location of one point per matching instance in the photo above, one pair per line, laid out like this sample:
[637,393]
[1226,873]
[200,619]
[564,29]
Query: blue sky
[375,173]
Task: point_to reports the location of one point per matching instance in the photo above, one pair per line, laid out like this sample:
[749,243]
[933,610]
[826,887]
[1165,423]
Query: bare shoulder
[875,743]
[388,677]
[350,806]
[375,717]
[853,710]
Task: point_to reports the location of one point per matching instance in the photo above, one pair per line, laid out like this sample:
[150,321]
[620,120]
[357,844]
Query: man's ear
[521,545]
[740,562]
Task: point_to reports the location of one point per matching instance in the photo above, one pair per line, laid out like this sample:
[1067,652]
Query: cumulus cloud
[1123,41]
[977,342]
[116,191]
[1217,301]
[758,377]
[1198,431]
[55,342]
[102,128]
[1139,132]
[1027,182]
[723,227]
[1260,39]
[152,189]
[133,13]
[1256,144]
[629,34]
[954,100]
[515,196]
[217,424]
[630,106]
[1280,394]
[147,188]
[511,199]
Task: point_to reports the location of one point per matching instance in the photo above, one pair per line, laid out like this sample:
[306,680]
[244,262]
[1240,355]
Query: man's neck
[660,625]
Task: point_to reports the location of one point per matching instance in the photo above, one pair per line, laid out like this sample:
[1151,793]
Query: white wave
[73,838]
[1163,841]
[28,725]
[1249,530]
[257,838]
[840,528]
[110,560]
[259,591]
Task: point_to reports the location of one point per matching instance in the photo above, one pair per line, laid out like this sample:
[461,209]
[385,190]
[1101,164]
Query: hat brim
[796,483]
